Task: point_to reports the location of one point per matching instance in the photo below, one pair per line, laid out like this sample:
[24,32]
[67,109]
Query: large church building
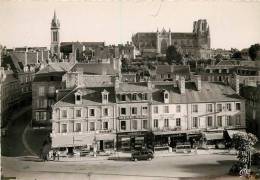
[195,44]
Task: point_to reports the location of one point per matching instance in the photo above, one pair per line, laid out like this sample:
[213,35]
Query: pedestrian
[54,155]
[58,155]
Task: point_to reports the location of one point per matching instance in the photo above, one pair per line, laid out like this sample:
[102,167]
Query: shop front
[105,142]
[162,140]
[128,141]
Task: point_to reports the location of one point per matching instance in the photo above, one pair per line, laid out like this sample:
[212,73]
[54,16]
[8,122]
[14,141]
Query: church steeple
[55,36]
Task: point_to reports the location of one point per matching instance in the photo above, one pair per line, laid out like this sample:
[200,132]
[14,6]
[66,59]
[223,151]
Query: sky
[233,23]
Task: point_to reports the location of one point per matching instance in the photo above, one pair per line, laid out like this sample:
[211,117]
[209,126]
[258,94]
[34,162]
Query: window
[144,110]
[155,109]
[41,116]
[78,97]
[195,108]
[123,97]
[41,103]
[178,108]
[134,97]
[219,107]
[166,109]
[229,107]
[105,111]
[105,97]
[144,96]
[41,91]
[169,76]
[78,127]
[55,36]
[145,124]
[155,123]
[209,121]
[195,122]
[92,126]
[92,112]
[64,113]
[166,122]
[166,96]
[209,108]
[51,90]
[78,113]
[219,120]
[123,111]
[134,124]
[238,106]
[229,121]
[105,125]
[178,121]
[134,110]
[123,125]
[63,128]
[238,120]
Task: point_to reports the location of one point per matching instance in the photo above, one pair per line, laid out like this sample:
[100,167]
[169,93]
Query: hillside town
[163,93]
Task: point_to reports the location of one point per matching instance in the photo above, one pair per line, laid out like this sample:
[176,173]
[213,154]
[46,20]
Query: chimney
[198,82]
[117,83]
[149,84]
[181,85]
[236,84]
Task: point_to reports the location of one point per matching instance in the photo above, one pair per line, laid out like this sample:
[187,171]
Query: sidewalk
[158,154]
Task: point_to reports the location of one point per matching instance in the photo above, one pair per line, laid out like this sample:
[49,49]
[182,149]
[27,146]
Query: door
[101,145]
[70,150]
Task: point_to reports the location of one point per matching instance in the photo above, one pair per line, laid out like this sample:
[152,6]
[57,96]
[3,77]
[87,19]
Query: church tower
[55,36]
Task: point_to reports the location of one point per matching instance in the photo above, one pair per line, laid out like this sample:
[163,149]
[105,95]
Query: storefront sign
[132,117]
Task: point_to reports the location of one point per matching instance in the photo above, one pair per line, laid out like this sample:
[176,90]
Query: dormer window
[165,96]
[78,97]
[104,94]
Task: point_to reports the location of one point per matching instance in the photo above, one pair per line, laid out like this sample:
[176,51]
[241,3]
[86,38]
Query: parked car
[255,158]
[144,154]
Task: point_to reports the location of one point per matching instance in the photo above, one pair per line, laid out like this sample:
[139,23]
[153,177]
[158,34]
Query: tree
[172,55]
[237,55]
[243,143]
[253,51]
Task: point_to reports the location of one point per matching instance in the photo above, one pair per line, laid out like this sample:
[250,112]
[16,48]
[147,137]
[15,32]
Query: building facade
[194,44]
[147,114]
[44,86]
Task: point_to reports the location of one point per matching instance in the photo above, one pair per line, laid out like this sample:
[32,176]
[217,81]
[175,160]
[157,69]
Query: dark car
[255,158]
[144,154]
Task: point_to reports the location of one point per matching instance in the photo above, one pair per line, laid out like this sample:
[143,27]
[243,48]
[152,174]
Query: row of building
[123,115]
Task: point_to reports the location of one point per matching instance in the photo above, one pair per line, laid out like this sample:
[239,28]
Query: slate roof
[90,96]
[176,69]
[98,69]
[210,92]
[55,67]
[133,87]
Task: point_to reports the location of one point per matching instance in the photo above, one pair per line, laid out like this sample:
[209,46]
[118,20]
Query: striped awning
[214,136]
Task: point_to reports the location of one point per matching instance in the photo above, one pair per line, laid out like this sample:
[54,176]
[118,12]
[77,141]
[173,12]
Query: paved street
[160,168]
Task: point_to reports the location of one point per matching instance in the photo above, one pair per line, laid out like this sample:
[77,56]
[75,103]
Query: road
[159,168]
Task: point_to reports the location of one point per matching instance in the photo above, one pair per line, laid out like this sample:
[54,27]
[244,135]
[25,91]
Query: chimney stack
[117,83]
[149,84]
[198,82]
[181,85]
[237,84]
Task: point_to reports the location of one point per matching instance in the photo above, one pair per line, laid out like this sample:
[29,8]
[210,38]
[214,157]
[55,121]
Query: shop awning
[232,132]
[72,140]
[139,138]
[214,136]
[167,133]
[105,137]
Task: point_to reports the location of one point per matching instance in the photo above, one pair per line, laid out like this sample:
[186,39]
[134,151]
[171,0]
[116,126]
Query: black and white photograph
[130,89]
